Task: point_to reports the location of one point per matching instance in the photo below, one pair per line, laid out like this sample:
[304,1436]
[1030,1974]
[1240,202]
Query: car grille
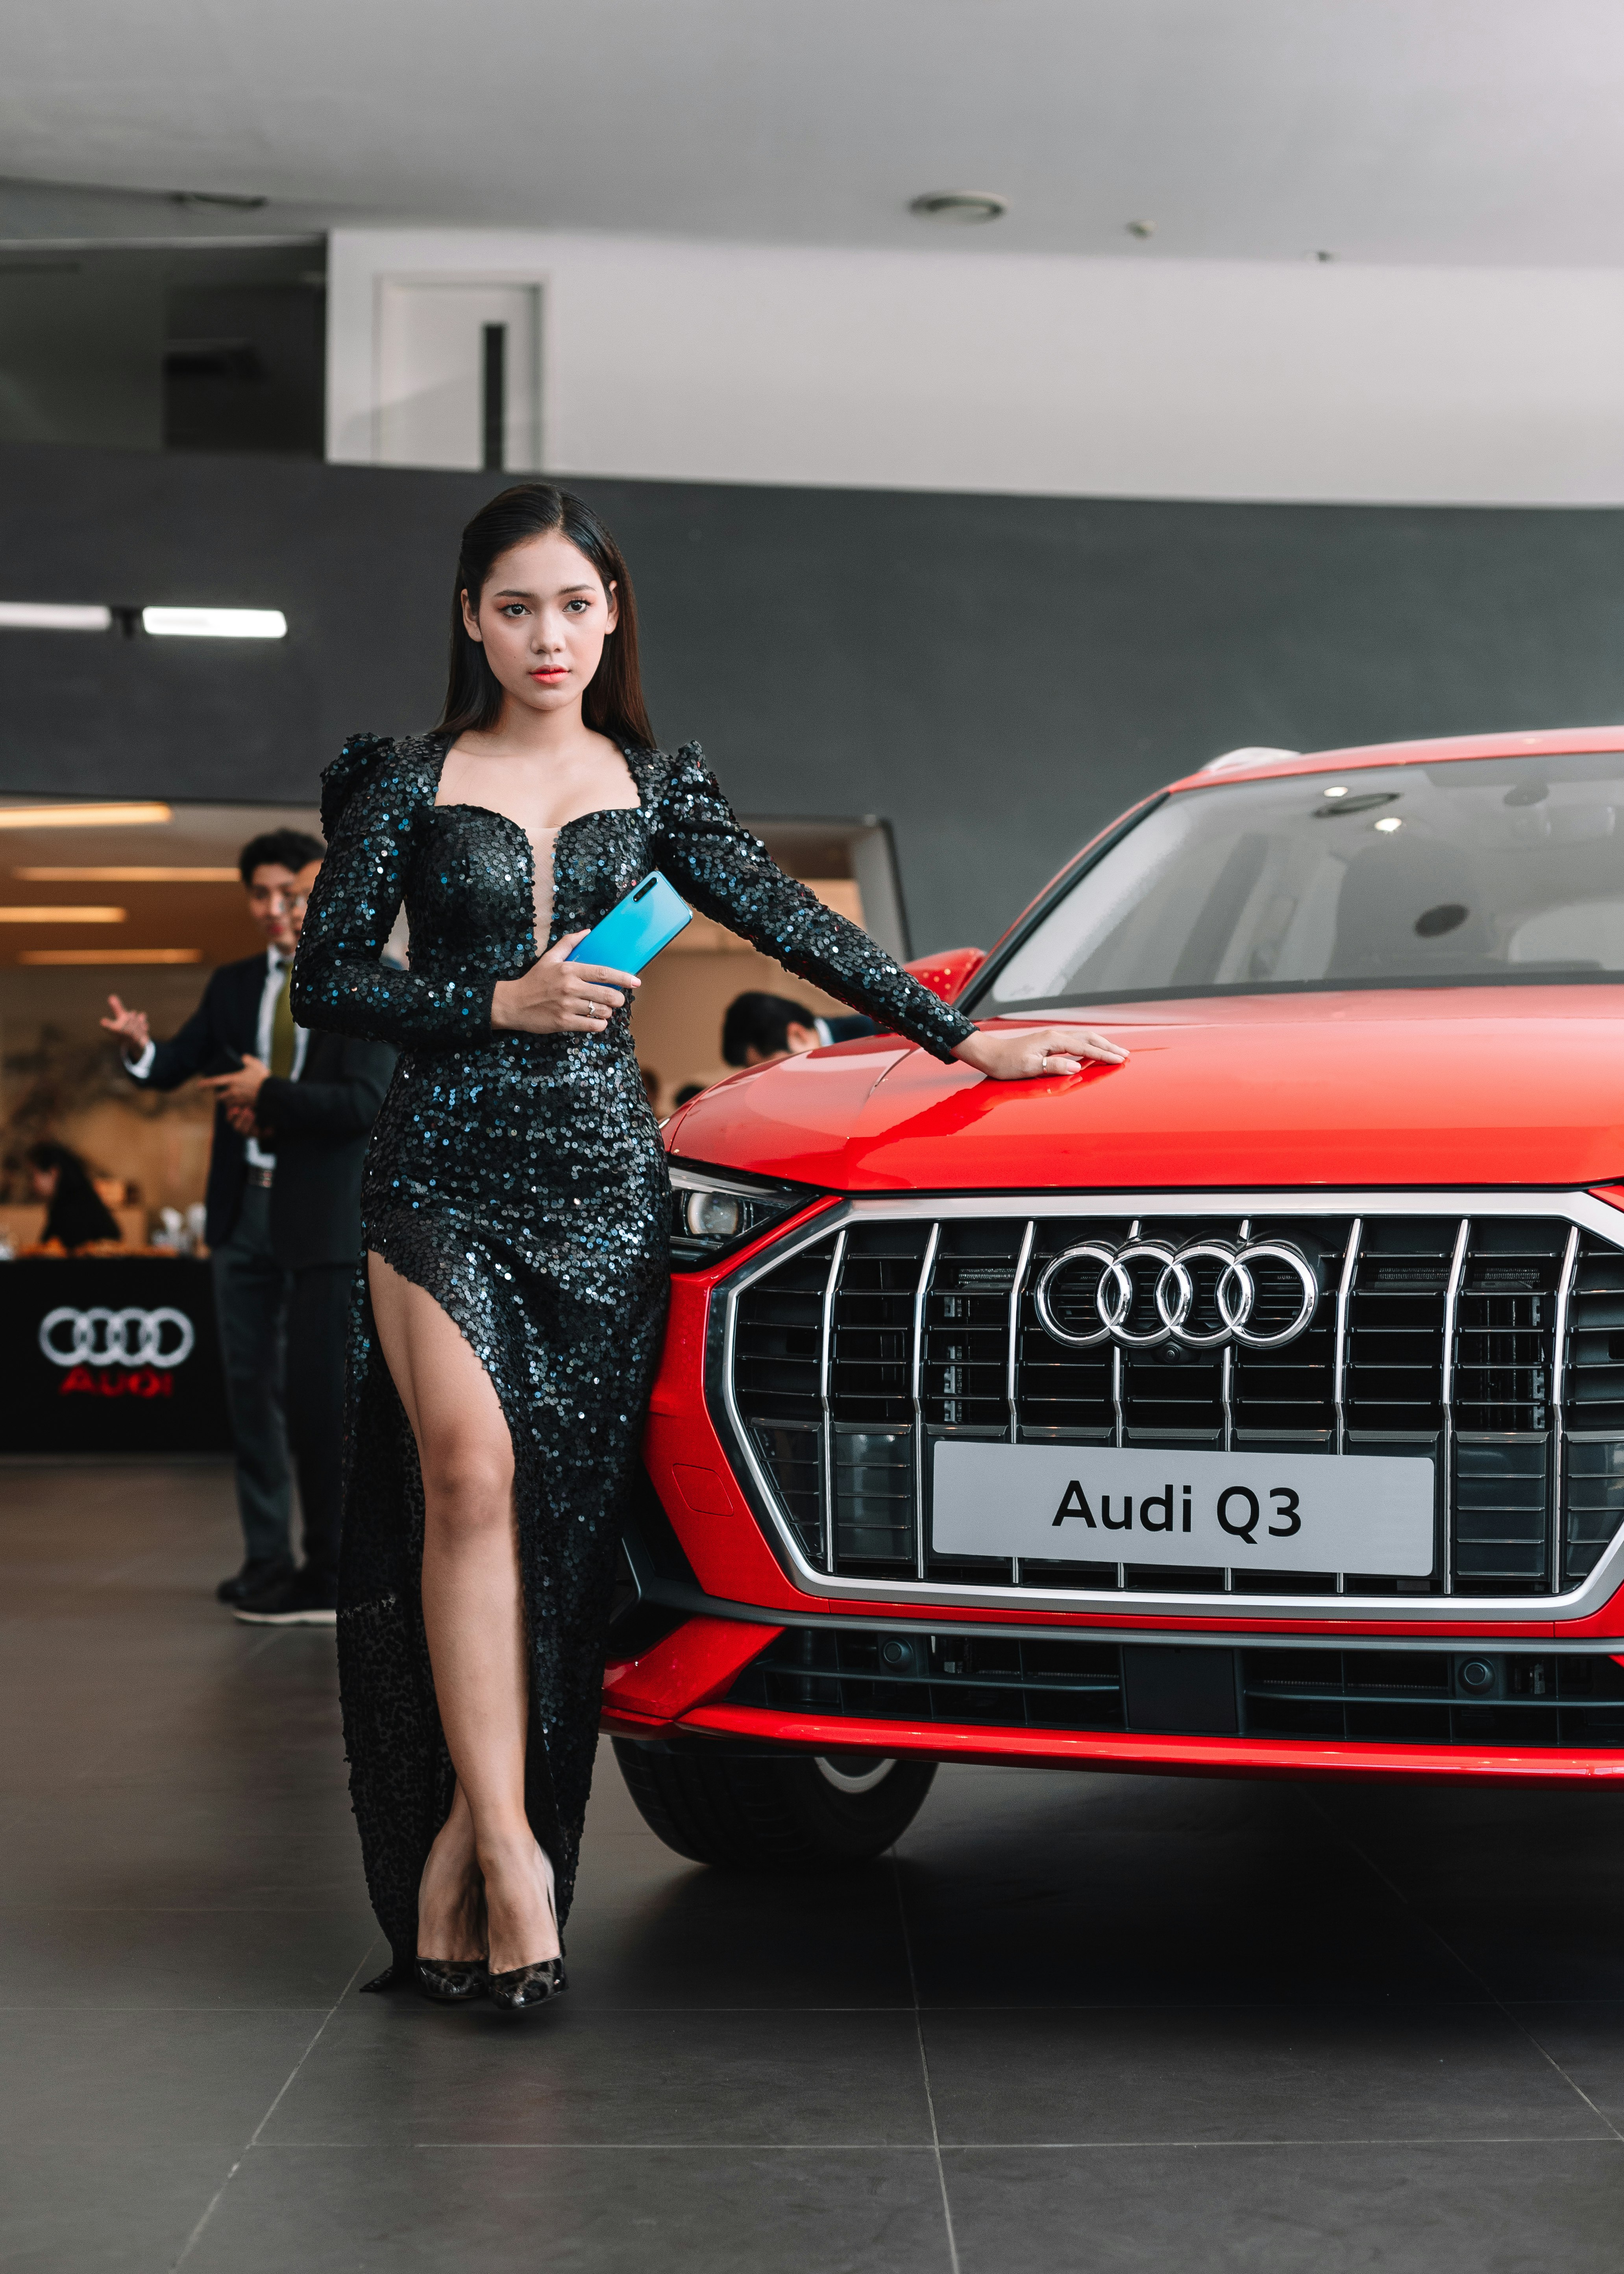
[1493,1344]
[1044,1682]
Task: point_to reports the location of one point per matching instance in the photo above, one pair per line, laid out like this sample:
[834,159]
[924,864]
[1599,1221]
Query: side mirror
[950,973]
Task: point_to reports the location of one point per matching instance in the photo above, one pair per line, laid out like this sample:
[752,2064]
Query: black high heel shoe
[451,1981]
[522,1989]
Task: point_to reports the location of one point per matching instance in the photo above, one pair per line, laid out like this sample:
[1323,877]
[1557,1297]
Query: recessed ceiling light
[962,206]
[216,198]
[1340,791]
[215,623]
[53,616]
[1141,229]
[1388,824]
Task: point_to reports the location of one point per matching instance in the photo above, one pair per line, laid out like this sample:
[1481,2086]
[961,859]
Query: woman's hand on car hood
[1026,1053]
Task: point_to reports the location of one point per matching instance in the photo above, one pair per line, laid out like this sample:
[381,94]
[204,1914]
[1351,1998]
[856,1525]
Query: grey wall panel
[998,675]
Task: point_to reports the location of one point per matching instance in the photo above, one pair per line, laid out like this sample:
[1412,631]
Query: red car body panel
[1457,1085]
[1512,1086]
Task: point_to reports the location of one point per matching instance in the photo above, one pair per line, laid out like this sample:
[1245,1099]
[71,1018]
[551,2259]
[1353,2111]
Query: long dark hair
[613,703]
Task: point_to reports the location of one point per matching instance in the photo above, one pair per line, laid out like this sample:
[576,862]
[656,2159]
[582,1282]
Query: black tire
[773,1811]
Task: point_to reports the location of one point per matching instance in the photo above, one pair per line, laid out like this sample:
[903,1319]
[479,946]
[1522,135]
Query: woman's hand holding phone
[555,996]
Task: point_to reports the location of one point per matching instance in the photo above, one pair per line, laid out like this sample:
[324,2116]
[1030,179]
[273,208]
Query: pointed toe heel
[452,1981]
[525,1988]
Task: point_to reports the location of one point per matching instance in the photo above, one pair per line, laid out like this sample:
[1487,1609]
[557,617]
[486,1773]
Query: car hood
[1461,1086]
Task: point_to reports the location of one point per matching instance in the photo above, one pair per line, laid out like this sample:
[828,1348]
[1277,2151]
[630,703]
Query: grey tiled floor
[1078,2023]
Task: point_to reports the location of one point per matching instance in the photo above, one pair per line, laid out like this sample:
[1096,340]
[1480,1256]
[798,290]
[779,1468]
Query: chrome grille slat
[1558,1391]
[1446,1467]
[916,1357]
[1023,1265]
[825,1357]
[1489,1334]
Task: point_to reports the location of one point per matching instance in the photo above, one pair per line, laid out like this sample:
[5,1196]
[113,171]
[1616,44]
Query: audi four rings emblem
[1234,1294]
[162,1338]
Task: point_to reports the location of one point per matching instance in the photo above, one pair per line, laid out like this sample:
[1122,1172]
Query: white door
[459,374]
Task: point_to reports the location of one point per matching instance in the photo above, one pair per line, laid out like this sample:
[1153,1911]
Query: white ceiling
[1443,131]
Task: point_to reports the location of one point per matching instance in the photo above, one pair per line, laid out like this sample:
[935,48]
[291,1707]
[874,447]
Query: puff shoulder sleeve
[373,804]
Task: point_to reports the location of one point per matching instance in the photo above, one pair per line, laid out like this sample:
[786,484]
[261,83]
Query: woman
[76,1214]
[517,1212]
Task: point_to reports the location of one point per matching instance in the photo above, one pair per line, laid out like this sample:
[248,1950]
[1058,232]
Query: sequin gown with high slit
[519,1180]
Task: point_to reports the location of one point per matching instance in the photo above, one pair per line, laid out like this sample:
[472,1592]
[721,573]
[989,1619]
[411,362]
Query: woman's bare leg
[473,1612]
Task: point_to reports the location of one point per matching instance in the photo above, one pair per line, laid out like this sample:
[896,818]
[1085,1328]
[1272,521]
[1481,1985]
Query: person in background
[686,1095]
[244,1020]
[758,1028]
[317,1123]
[651,1087]
[75,1214]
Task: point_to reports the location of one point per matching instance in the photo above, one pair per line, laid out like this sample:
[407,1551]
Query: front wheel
[773,1811]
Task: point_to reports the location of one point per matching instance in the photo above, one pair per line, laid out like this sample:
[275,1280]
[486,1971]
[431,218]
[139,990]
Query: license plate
[1278,1512]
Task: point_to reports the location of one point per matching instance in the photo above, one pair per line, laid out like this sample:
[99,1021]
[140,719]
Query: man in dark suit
[758,1028]
[244,1015]
[318,1123]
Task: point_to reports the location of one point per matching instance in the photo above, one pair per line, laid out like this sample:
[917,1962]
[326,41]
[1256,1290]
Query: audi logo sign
[1202,1295]
[163,1338]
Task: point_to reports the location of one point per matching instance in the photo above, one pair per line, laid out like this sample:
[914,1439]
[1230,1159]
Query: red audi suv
[1254,1407]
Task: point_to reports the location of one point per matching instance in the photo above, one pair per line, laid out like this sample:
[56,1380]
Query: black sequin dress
[520,1179]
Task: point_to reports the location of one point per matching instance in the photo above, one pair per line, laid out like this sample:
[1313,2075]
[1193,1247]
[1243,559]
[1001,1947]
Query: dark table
[109,1354]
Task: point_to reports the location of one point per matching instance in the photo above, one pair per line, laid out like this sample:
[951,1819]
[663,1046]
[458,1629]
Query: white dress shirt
[275,962]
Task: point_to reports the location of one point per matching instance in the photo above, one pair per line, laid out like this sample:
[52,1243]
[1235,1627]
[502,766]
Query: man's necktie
[282,1033]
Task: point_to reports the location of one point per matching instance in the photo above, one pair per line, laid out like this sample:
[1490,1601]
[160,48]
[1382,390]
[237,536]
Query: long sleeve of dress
[371,808]
[729,875]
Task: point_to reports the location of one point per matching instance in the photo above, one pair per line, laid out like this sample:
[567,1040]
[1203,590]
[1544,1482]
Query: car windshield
[1471,871]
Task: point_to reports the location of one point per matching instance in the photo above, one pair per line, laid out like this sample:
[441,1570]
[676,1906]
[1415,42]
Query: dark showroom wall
[996,675]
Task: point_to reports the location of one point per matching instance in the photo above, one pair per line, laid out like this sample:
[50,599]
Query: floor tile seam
[1605,2139]
[710,2143]
[66,2013]
[924,2065]
[196,2236]
[1350,2006]
[1444,1943]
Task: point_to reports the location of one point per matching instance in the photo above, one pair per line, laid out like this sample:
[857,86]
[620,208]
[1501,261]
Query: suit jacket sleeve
[333,1111]
[731,877]
[188,1052]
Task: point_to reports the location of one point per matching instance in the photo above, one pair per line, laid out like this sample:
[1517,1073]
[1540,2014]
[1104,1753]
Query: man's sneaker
[256,1577]
[304,1600]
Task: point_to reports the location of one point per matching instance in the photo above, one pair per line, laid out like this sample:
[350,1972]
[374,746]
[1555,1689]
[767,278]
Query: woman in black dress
[76,1214]
[517,1212]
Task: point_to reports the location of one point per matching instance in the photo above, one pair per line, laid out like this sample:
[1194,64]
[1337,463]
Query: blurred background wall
[994,675]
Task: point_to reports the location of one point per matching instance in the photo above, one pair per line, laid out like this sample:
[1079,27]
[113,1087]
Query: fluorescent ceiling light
[52,616]
[215,623]
[63,916]
[109,955]
[127,875]
[81,816]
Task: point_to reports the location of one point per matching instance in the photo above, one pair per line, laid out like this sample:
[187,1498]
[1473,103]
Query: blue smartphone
[637,928]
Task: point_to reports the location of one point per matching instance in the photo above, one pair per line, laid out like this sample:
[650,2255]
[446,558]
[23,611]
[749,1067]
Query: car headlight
[714,1209]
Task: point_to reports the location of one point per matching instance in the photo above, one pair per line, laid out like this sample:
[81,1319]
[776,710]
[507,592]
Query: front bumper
[716,1588]
[1517,1716]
